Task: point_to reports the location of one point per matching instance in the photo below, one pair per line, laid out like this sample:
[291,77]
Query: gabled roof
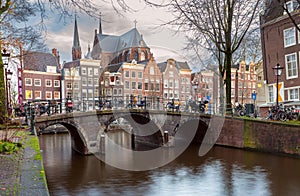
[182,65]
[70,64]
[179,65]
[113,43]
[38,61]
[113,68]
[162,66]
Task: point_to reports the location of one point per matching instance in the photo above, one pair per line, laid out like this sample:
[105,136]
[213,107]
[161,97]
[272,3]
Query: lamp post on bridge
[277,71]
[8,74]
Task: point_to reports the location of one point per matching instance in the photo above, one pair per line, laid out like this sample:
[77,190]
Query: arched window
[143,56]
[135,56]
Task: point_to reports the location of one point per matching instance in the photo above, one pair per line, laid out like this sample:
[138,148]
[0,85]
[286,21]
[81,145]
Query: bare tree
[219,26]
[16,28]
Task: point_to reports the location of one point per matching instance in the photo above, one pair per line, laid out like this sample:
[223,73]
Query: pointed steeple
[76,49]
[100,26]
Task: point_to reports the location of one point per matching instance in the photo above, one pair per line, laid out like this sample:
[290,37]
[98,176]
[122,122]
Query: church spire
[100,25]
[76,49]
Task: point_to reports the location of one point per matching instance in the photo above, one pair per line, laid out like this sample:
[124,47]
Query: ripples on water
[223,171]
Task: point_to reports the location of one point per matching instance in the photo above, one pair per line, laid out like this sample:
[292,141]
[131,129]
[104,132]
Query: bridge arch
[144,129]
[78,136]
[193,129]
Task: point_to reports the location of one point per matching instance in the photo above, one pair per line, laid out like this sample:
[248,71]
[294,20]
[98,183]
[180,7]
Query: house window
[56,83]
[133,85]
[171,83]
[37,82]
[96,71]
[271,94]
[28,82]
[133,74]
[96,82]
[289,37]
[291,66]
[84,93]
[127,85]
[140,85]
[83,81]
[294,94]
[48,83]
[90,71]
[165,83]
[90,81]
[171,73]
[291,5]
[146,86]
[28,94]
[37,94]
[56,94]
[90,93]
[69,85]
[127,74]
[140,75]
[48,95]
[76,85]
[83,71]
[151,70]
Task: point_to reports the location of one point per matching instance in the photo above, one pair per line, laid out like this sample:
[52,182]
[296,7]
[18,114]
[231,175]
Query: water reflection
[223,171]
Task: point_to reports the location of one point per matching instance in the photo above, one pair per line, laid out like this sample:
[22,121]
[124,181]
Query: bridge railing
[52,107]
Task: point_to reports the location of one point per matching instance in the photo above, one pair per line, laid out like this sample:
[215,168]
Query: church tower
[76,49]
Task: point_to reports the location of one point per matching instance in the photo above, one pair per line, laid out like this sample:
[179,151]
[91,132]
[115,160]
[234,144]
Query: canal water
[221,172]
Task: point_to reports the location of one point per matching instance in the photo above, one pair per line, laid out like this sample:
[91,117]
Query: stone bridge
[151,127]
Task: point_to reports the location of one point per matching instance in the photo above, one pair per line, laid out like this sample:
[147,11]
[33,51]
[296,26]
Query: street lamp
[8,75]
[277,71]
[195,86]
[5,59]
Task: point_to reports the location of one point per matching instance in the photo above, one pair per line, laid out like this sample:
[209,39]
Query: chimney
[54,52]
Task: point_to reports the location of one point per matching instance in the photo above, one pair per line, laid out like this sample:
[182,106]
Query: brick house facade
[281,45]
[41,77]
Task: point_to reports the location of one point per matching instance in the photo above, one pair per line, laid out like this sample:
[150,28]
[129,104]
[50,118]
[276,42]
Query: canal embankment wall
[266,136]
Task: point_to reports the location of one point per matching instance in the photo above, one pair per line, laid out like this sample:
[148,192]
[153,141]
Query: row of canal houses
[116,67]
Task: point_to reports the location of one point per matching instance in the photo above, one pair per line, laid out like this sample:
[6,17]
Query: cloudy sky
[163,42]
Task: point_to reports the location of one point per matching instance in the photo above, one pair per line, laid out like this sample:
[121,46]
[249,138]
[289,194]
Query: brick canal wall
[266,136]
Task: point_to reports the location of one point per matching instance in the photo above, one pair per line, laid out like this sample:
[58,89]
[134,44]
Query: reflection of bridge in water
[155,128]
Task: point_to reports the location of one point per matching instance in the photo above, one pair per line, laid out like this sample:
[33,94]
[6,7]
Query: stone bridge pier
[156,128]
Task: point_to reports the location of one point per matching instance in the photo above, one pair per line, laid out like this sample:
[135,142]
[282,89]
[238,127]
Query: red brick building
[41,77]
[281,45]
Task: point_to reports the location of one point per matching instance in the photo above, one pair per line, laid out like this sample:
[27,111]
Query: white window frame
[91,71]
[35,80]
[127,87]
[56,83]
[50,92]
[83,71]
[271,98]
[27,80]
[96,71]
[287,66]
[56,93]
[69,85]
[295,94]
[84,81]
[290,6]
[286,39]
[50,85]
[39,97]
[28,91]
